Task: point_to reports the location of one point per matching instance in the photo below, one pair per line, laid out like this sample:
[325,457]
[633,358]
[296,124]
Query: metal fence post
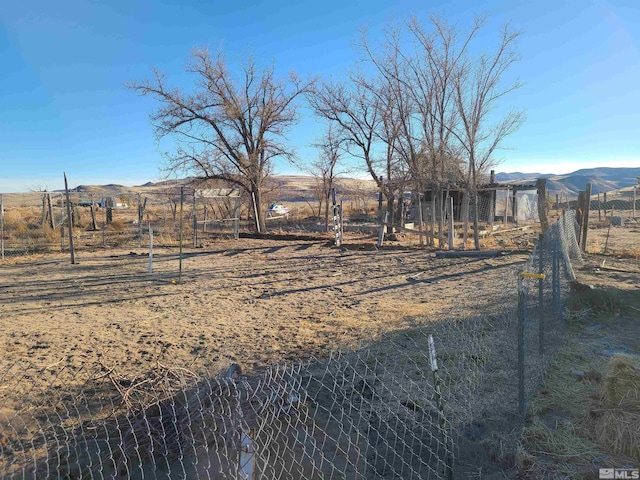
[558,293]
[520,334]
[555,274]
[541,293]
[433,363]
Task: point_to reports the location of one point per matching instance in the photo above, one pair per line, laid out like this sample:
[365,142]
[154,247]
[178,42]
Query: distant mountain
[503,177]
[604,179]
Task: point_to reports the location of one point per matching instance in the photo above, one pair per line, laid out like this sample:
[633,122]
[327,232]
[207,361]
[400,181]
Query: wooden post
[451,232]
[492,208]
[341,226]
[506,207]
[255,211]
[195,221]
[465,220]
[204,220]
[62,230]
[69,220]
[514,207]
[420,218]
[150,249]
[432,241]
[52,222]
[585,216]
[384,217]
[44,210]
[599,208]
[93,214]
[634,200]
[236,223]
[139,198]
[579,215]
[605,204]
[542,206]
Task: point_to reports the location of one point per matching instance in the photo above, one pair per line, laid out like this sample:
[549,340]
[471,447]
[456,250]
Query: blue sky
[63,105]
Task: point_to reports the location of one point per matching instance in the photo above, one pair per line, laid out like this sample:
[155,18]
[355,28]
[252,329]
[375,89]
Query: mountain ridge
[602,179]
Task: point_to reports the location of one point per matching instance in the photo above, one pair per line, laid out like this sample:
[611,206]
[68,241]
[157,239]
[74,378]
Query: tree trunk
[476,233]
[465,214]
[440,207]
[390,209]
[326,210]
[434,206]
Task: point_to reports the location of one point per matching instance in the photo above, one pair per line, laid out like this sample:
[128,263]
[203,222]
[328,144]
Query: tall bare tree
[439,49]
[353,109]
[480,86]
[231,126]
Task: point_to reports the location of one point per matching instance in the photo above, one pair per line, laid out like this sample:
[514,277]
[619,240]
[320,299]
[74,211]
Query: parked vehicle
[277,210]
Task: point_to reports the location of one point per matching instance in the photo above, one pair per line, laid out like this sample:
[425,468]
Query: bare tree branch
[230,127]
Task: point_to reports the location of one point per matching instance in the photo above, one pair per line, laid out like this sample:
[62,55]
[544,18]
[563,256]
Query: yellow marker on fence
[539,276]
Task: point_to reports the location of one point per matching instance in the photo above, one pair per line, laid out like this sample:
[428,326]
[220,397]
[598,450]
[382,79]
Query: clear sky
[63,65]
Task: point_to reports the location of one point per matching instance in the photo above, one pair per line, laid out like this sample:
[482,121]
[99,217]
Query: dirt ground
[254,302]
[258,302]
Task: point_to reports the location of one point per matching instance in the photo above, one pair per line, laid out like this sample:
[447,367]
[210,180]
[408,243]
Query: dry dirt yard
[254,302]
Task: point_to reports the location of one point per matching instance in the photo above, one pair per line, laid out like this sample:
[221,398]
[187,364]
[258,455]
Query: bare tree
[432,74]
[325,168]
[230,127]
[479,88]
[369,129]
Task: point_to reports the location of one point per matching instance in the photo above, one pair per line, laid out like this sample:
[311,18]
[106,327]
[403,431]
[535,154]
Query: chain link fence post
[521,354]
[433,362]
[555,279]
[541,293]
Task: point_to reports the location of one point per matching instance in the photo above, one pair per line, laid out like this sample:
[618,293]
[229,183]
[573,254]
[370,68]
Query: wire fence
[39,222]
[441,401]
[613,225]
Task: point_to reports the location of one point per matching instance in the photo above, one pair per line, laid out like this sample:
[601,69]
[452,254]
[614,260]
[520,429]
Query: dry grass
[602,301]
[619,425]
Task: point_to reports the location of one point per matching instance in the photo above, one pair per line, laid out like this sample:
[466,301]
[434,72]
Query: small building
[497,202]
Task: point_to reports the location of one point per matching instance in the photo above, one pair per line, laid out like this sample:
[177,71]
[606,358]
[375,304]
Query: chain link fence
[440,401]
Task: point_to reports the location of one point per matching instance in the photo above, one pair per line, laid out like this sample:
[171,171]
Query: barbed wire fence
[440,401]
[614,224]
[38,224]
